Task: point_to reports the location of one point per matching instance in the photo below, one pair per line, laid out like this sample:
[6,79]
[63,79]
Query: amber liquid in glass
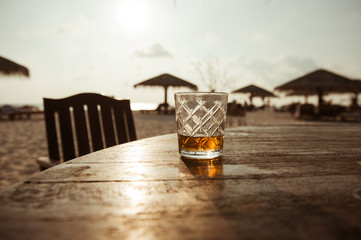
[200,144]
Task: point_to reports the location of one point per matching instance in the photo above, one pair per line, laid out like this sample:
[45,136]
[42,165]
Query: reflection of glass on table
[204,168]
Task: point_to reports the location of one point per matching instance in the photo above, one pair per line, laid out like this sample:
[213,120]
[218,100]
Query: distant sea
[134,106]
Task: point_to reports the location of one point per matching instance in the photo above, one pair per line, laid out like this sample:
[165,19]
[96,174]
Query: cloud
[154,51]
[78,26]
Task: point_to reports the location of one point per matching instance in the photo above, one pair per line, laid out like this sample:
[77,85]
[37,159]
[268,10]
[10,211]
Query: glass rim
[200,93]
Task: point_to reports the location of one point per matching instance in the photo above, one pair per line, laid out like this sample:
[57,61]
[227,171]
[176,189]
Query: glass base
[201,154]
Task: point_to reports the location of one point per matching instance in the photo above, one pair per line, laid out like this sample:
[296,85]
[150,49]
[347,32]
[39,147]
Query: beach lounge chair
[84,123]
[11,112]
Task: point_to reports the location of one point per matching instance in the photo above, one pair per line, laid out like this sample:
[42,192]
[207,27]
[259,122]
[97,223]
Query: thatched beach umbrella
[255,91]
[166,80]
[8,67]
[319,82]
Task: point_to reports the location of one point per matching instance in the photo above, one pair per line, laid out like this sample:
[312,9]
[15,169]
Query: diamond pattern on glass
[201,116]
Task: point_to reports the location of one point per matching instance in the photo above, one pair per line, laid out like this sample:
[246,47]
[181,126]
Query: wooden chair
[84,123]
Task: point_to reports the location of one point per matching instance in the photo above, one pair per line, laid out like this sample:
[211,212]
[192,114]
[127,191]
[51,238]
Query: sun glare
[134,16]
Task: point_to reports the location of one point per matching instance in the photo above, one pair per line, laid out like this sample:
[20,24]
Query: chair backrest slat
[130,123]
[95,128]
[109,133]
[87,118]
[66,132]
[51,131]
[81,130]
[120,125]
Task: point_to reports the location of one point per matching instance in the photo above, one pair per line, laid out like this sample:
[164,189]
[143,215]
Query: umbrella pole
[251,99]
[165,95]
[356,99]
[320,100]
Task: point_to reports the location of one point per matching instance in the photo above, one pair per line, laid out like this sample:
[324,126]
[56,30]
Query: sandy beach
[23,141]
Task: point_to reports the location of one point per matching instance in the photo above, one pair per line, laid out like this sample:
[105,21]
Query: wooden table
[287,182]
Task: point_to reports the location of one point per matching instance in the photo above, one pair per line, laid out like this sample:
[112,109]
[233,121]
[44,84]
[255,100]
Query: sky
[107,46]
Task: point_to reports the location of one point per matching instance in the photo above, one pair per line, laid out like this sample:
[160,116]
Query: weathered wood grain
[289,182]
